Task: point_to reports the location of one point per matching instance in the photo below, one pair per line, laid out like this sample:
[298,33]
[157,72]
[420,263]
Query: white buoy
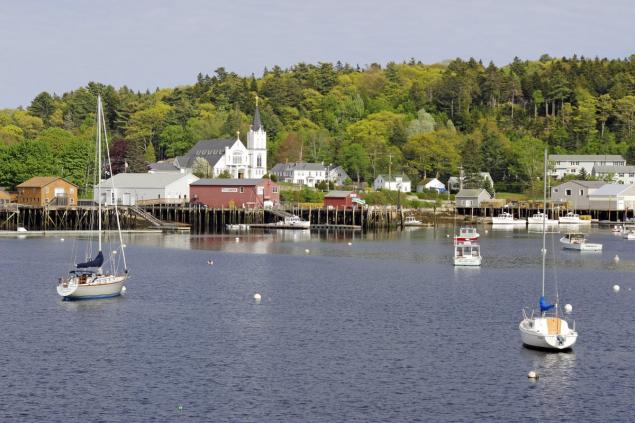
[486,231]
[568,308]
[616,288]
[616,258]
[447,235]
[350,243]
[237,239]
[123,290]
[307,251]
[61,239]
[532,375]
[123,246]
[257,298]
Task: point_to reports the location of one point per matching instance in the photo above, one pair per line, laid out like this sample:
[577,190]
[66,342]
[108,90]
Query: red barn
[339,199]
[240,193]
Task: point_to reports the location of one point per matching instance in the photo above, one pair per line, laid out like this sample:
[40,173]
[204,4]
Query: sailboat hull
[100,287]
[534,334]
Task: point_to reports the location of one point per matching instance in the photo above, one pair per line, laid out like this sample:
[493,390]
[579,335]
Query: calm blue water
[383,330]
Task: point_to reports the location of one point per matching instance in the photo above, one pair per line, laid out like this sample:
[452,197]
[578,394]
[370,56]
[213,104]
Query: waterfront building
[47,191]
[613,197]
[334,199]
[145,188]
[472,198]
[572,164]
[235,193]
[431,184]
[617,174]
[576,193]
[393,183]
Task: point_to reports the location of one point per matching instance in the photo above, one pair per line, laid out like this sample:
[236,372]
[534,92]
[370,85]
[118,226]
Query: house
[309,174]
[214,157]
[145,188]
[47,190]
[334,199]
[613,197]
[230,193]
[576,193]
[338,176]
[572,164]
[618,174]
[472,197]
[393,183]
[454,184]
[431,184]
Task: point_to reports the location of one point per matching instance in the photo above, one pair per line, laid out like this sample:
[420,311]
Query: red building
[339,199]
[239,193]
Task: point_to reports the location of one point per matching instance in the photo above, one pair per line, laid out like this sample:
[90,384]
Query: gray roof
[163,167]
[143,180]
[285,167]
[256,124]
[230,182]
[210,150]
[338,194]
[585,157]
[586,184]
[392,178]
[613,169]
[470,193]
[611,189]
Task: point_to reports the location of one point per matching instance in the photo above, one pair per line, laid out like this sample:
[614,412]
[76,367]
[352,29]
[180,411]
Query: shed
[47,191]
[145,188]
[340,199]
[612,197]
[472,197]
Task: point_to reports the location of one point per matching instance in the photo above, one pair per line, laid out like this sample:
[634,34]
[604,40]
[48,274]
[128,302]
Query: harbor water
[382,330]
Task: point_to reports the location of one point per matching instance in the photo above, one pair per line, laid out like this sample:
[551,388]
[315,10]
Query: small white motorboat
[412,221]
[577,241]
[617,229]
[573,218]
[467,253]
[292,222]
[537,219]
[507,219]
[629,235]
[467,233]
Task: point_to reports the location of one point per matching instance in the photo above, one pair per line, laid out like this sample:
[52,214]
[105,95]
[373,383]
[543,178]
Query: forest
[421,119]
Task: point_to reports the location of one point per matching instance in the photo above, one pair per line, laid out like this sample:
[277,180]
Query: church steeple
[256,124]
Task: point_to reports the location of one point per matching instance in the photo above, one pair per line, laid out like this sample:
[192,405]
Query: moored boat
[577,241]
[412,221]
[467,233]
[467,253]
[573,218]
[537,219]
[506,218]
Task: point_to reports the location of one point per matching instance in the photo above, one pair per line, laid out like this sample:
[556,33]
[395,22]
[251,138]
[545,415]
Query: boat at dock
[412,221]
[629,235]
[89,279]
[577,241]
[540,218]
[506,218]
[573,218]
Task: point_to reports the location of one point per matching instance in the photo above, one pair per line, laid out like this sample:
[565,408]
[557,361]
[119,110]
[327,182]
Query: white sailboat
[91,279]
[546,330]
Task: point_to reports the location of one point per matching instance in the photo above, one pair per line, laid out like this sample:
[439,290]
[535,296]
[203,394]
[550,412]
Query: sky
[60,45]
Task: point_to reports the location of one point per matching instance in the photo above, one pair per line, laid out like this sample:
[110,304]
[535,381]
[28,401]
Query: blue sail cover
[544,305]
[96,262]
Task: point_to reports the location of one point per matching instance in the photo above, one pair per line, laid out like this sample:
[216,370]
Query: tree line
[420,119]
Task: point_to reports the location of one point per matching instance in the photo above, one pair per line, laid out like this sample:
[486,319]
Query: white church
[225,155]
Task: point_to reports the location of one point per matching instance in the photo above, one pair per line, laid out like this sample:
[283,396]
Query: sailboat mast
[544,224]
[99,167]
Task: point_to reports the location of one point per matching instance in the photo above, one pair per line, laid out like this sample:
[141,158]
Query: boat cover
[544,305]
[96,262]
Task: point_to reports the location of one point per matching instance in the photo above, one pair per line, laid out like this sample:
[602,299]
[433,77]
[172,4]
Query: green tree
[355,160]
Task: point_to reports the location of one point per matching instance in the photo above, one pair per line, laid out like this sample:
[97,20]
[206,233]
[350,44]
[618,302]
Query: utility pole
[389,166]
[461,177]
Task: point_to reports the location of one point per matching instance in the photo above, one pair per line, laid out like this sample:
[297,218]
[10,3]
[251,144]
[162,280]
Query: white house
[300,173]
[393,183]
[228,155]
[571,164]
[338,176]
[472,197]
[137,188]
[619,174]
[431,184]
[576,193]
[613,197]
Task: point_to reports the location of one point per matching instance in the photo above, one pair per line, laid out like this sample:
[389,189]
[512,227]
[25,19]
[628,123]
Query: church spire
[256,124]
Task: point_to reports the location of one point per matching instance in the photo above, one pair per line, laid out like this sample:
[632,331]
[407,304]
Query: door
[126,199]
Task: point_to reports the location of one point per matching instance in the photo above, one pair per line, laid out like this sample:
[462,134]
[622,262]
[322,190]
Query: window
[274,189]
[259,161]
[568,192]
[237,158]
[632,175]
[581,193]
[555,190]
[575,163]
[112,196]
[242,189]
[621,175]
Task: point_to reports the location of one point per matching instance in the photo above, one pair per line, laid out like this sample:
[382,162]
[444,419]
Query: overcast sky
[59,45]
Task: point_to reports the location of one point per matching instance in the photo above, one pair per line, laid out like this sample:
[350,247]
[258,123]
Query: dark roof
[210,150]
[163,167]
[230,182]
[586,184]
[282,167]
[256,124]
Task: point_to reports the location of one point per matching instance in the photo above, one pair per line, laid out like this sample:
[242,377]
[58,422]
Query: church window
[259,161]
[238,159]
